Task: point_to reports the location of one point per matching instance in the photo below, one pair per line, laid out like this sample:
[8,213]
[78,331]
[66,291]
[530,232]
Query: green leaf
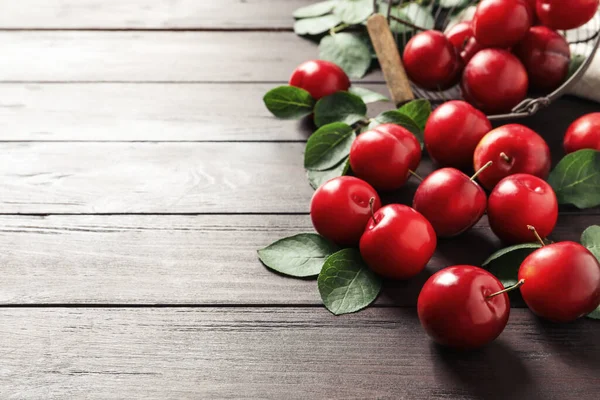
[416,14]
[453,3]
[316,26]
[590,239]
[354,11]
[364,37]
[398,118]
[465,14]
[289,102]
[315,10]
[395,26]
[505,263]
[419,16]
[576,179]
[575,63]
[339,107]
[502,252]
[595,314]
[346,284]
[348,51]
[418,111]
[367,96]
[317,178]
[329,145]
[300,255]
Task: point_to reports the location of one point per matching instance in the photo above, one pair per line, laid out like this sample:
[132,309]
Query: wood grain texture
[147,112]
[153,178]
[189,112]
[208,259]
[154,56]
[265,177]
[148,14]
[302,352]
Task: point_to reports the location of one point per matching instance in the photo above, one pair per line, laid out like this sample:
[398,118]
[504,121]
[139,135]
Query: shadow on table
[576,343]
[307,126]
[493,372]
[470,248]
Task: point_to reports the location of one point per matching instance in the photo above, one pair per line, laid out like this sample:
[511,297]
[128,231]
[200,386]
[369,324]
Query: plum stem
[371,203]
[537,235]
[505,157]
[413,173]
[508,289]
[486,166]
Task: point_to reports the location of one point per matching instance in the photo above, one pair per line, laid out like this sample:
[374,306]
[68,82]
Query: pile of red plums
[461,306]
[508,48]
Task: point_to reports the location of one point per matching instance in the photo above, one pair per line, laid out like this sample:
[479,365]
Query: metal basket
[583,41]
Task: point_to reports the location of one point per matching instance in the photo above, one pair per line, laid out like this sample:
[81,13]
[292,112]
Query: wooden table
[139,174]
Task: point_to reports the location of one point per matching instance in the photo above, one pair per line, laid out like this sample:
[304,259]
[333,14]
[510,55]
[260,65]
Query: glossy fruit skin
[461,37]
[384,155]
[532,7]
[320,78]
[584,133]
[566,14]
[494,81]
[398,243]
[450,201]
[527,151]
[459,34]
[562,281]
[340,209]
[454,309]
[546,56]
[501,23]
[453,131]
[518,201]
[471,48]
[431,61]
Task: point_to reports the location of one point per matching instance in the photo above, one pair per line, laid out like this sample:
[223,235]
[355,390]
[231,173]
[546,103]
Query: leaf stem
[508,289]
[486,166]
[363,122]
[338,28]
[537,235]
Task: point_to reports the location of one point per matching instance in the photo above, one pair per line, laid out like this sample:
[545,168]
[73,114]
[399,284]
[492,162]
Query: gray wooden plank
[194,177]
[181,259]
[148,14]
[153,178]
[38,56]
[278,353]
[163,112]
[188,112]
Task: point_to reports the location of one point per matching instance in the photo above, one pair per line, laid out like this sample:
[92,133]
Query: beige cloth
[589,85]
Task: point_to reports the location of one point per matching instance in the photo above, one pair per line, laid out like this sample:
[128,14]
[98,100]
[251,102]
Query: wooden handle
[389,59]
